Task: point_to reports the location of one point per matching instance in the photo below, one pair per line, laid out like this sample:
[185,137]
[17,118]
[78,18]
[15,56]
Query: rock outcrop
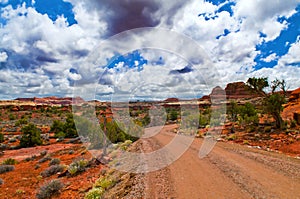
[295,96]
[236,90]
[239,90]
[292,108]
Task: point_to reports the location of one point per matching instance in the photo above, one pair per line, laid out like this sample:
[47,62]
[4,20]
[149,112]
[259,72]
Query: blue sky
[45,45]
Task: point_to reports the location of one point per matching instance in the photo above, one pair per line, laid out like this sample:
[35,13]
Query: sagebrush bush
[30,158]
[9,161]
[77,166]
[54,169]
[54,161]
[49,189]
[6,168]
[43,153]
[1,181]
[45,159]
[37,166]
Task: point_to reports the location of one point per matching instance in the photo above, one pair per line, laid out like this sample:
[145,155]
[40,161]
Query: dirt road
[229,171]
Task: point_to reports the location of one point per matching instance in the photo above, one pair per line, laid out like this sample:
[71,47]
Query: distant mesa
[170,100]
[52,100]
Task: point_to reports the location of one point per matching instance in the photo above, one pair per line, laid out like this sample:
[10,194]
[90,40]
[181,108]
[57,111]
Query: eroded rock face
[297,117]
[236,90]
[239,90]
[292,108]
[295,96]
[294,101]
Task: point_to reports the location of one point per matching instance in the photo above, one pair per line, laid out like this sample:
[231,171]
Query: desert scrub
[54,161]
[28,159]
[1,181]
[45,159]
[52,170]
[125,144]
[43,153]
[95,193]
[246,142]
[9,161]
[105,183]
[20,192]
[232,137]
[77,166]
[6,168]
[49,189]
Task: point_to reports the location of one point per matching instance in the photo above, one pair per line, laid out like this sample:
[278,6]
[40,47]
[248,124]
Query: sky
[56,48]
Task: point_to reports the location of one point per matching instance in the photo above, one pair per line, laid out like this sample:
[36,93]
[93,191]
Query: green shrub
[11,117]
[6,168]
[77,166]
[105,183]
[232,137]
[21,122]
[95,193]
[173,115]
[52,170]
[65,129]
[248,114]
[115,134]
[9,161]
[57,127]
[54,161]
[31,136]
[49,189]
[246,142]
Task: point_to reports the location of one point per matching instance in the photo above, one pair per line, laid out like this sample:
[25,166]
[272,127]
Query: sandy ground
[229,171]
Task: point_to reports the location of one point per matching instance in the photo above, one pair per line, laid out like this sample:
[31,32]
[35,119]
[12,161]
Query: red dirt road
[229,171]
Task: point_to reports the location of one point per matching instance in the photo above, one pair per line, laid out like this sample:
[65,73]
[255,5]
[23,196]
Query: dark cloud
[26,61]
[80,53]
[42,58]
[33,84]
[184,70]
[131,14]
[124,15]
